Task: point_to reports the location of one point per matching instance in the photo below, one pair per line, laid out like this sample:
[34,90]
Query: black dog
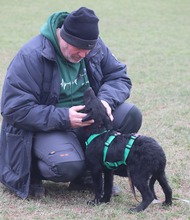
[107,150]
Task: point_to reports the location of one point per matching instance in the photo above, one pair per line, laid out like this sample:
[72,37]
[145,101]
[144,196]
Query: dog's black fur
[145,164]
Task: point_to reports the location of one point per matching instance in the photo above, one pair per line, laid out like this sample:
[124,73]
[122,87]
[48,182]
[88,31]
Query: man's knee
[134,119]
[61,172]
[127,118]
[59,156]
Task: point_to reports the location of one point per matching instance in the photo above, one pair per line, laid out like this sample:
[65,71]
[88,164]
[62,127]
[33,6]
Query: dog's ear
[91,102]
[95,109]
[88,116]
[88,98]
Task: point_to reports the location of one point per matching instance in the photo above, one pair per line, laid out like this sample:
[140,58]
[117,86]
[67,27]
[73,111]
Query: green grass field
[152,38]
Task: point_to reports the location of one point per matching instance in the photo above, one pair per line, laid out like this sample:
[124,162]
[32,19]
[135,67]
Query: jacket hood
[49,28]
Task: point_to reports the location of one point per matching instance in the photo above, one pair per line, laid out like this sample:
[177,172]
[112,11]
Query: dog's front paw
[132,210]
[136,209]
[167,203]
[93,202]
[104,200]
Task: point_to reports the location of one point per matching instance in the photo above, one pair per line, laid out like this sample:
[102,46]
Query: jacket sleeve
[21,97]
[110,75]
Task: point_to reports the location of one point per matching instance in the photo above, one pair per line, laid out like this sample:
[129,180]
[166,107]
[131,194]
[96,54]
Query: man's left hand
[108,109]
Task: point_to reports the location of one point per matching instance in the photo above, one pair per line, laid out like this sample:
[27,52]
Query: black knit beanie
[80,28]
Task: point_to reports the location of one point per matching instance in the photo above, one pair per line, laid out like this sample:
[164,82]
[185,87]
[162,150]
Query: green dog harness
[113,165]
[92,137]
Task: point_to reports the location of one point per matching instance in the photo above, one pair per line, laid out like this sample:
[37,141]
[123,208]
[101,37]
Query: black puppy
[107,150]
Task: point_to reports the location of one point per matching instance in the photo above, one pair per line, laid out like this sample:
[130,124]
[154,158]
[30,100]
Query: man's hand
[108,109]
[76,117]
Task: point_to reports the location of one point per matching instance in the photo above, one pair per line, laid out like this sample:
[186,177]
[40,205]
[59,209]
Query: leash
[132,186]
[135,196]
[184,200]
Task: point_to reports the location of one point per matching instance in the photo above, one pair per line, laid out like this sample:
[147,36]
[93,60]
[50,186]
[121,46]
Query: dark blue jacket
[30,92]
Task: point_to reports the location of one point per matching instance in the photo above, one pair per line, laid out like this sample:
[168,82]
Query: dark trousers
[59,156]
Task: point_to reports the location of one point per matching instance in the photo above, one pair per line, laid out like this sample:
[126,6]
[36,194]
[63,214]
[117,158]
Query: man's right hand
[75,117]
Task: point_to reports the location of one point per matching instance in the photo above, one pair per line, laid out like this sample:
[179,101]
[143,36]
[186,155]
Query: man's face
[71,53]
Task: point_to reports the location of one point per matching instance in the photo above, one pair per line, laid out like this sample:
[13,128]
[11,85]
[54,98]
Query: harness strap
[107,144]
[92,137]
[114,165]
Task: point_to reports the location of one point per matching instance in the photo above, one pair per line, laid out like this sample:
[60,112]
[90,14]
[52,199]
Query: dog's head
[95,110]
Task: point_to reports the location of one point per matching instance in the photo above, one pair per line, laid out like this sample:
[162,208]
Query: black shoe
[85,182]
[89,187]
[82,183]
[37,190]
